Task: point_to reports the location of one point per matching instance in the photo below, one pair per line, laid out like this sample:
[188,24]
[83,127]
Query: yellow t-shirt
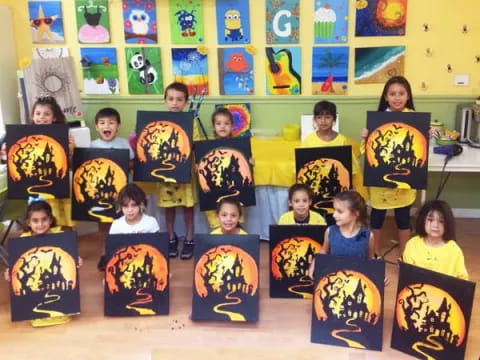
[218,231]
[447,259]
[53,230]
[289,219]
[312,140]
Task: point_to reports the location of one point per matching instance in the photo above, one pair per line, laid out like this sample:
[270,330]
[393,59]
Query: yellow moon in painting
[91,173]
[161,133]
[388,136]
[427,297]
[31,265]
[318,169]
[29,150]
[345,282]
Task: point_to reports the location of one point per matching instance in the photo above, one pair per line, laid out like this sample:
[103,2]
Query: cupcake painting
[330,21]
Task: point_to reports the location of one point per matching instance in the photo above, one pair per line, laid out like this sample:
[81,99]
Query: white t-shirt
[147,224]
[117,143]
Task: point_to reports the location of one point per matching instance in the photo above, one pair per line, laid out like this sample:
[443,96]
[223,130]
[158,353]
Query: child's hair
[356,203]
[52,103]
[177,86]
[383,105]
[134,193]
[448,220]
[41,205]
[107,112]
[299,187]
[325,108]
[222,111]
[230,202]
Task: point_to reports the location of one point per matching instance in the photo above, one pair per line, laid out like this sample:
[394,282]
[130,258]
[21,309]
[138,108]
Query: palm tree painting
[329,70]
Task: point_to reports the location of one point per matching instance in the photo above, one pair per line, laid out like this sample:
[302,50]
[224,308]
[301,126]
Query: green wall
[462,190]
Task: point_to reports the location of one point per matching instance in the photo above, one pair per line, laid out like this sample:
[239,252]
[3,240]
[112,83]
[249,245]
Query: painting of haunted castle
[136,275]
[164,146]
[226,280]
[432,314]
[292,250]
[348,302]
[224,171]
[396,149]
[37,160]
[327,171]
[98,177]
[43,273]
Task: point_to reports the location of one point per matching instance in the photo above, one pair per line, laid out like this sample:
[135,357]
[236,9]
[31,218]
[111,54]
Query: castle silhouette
[142,276]
[401,154]
[230,176]
[105,187]
[301,264]
[437,322]
[323,186]
[165,149]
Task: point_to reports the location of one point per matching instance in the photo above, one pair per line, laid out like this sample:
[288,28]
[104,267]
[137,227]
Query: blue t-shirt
[356,245]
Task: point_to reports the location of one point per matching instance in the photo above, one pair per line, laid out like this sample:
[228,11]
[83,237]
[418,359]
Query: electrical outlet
[461,79]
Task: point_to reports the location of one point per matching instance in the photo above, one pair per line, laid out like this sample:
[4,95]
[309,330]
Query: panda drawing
[147,74]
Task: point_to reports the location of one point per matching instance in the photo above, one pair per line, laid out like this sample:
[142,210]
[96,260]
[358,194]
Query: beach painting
[99,70]
[375,65]
[330,21]
[233,21]
[330,70]
[380,17]
[235,66]
[46,21]
[191,68]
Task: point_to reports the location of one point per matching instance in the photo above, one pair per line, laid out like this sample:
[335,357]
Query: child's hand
[3,152]
[386,281]
[79,262]
[364,133]
[251,161]
[6,274]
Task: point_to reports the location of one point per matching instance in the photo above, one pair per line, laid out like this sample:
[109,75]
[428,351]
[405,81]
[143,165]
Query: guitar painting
[282,69]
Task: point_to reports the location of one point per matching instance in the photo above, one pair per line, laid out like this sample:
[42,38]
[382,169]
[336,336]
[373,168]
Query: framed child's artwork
[44,277]
[330,21]
[283,22]
[348,302]
[164,146]
[139,21]
[137,275]
[283,70]
[235,67]
[224,171]
[292,250]
[46,22]
[432,314]
[37,161]
[396,149]
[376,65]
[326,171]
[226,278]
[330,70]
[380,17]
[92,21]
[144,70]
[242,120]
[191,68]
[99,70]
[98,177]
[186,21]
[233,21]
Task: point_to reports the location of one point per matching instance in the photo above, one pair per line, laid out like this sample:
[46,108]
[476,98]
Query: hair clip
[426,27]
[33,199]
[464,29]
[449,68]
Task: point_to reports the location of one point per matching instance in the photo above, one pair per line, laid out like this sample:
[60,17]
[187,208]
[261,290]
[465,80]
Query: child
[434,247]
[396,96]
[107,124]
[172,195]
[40,221]
[229,213]
[325,113]
[132,201]
[300,200]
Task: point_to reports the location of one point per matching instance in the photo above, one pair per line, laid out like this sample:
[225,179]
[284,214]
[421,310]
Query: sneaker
[187,250]
[102,263]
[173,246]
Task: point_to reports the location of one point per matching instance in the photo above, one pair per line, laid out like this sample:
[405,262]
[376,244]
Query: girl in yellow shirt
[434,247]
[300,201]
[229,213]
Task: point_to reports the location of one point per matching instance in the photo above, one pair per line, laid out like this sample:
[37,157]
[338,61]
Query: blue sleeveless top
[348,246]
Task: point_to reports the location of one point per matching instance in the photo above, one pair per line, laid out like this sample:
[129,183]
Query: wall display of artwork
[380,17]
[330,70]
[283,70]
[242,119]
[233,21]
[140,21]
[46,21]
[99,70]
[235,67]
[144,70]
[330,21]
[92,21]
[186,21]
[191,68]
[283,22]
[375,65]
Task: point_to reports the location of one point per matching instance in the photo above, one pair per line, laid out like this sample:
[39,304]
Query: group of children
[433,247]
